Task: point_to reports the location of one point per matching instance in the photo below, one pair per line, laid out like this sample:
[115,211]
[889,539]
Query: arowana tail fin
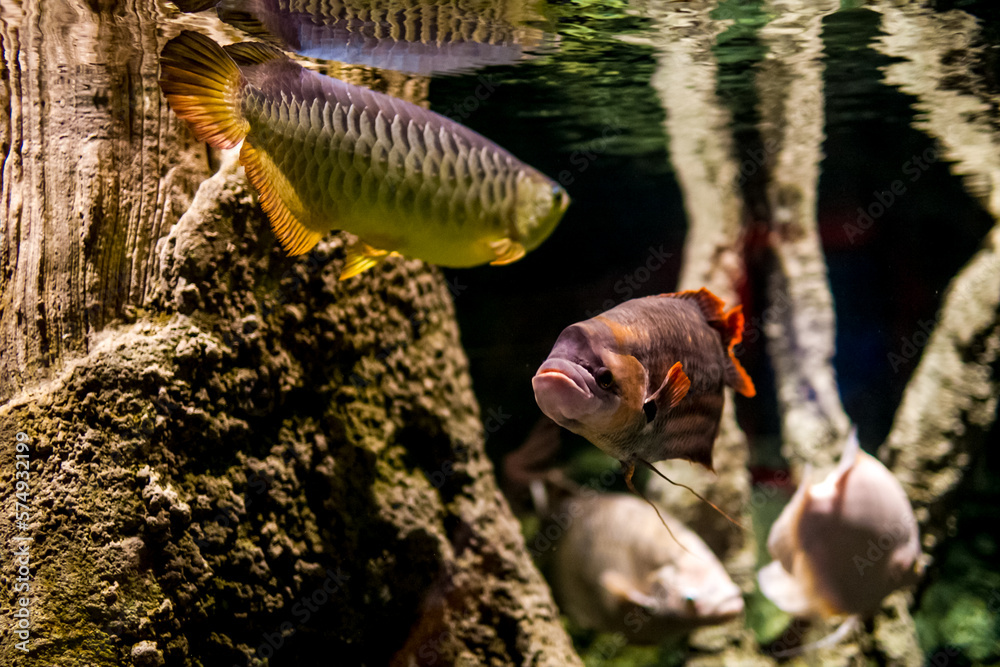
[203,86]
[729,324]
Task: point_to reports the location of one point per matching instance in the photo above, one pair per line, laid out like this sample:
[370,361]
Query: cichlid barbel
[324,154]
[644,381]
[418,36]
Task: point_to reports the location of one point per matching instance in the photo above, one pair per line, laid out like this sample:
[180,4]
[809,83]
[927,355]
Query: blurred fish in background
[611,566]
[841,545]
[426,37]
[615,570]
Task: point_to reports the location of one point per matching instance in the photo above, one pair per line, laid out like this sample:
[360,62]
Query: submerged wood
[234,455]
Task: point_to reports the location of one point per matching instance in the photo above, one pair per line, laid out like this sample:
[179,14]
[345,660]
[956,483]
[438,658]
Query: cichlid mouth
[563,391]
[567,371]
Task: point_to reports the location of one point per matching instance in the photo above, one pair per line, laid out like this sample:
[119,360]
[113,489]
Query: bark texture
[235,458]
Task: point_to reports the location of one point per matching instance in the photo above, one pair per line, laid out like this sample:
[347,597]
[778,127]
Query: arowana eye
[604,378]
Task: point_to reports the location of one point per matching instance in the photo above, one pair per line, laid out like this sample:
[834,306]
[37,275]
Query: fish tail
[729,324]
[736,375]
[204,86]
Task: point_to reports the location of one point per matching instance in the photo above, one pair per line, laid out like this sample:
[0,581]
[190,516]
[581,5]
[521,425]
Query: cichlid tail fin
[204,87]
[729,324]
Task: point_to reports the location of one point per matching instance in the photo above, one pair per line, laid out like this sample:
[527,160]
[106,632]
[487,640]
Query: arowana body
[324,154]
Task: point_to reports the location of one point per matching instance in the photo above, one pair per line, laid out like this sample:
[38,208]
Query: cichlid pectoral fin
[506,251]
[784,590]
[621,587]
[361,257]
[674,388]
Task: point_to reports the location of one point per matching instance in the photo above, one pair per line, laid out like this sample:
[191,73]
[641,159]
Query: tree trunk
[234,457]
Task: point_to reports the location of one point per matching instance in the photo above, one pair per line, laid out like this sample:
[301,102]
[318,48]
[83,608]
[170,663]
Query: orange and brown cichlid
[644,381]
[324,154]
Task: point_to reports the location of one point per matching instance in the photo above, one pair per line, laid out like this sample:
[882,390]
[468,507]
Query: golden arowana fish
[644,381]
[418,36]
[612,571]
[842,544]
[324,154]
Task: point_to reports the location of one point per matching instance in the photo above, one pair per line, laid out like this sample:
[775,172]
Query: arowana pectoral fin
[361,257]
[506,251]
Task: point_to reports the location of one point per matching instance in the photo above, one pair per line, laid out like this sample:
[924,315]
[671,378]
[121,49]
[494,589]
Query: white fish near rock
[841,545]
[616,570]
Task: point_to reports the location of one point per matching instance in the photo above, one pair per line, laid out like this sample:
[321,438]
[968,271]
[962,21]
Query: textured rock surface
[234,456]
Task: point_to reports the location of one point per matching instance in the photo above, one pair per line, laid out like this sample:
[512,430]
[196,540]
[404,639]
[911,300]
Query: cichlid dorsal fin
[361,257]
[264,175]
[507,251]
[729,324]
[254,53]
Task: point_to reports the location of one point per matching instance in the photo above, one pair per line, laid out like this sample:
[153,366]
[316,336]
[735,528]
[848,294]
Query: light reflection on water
[878,125]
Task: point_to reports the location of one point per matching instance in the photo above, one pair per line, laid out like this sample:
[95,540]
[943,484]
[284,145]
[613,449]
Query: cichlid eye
[604,378]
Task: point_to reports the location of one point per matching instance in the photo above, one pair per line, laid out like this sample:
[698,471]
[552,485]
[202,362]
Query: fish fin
[782,539]
[232,12]
[295,237]
[361,257]
[254,53]
[621,587]
[850,624]
[675,386]
[204,87]
[784,590]
[852,449]
[191,6]
[729,324]
[507,251]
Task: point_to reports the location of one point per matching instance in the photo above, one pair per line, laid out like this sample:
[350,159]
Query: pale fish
[841,545]
[615,570]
